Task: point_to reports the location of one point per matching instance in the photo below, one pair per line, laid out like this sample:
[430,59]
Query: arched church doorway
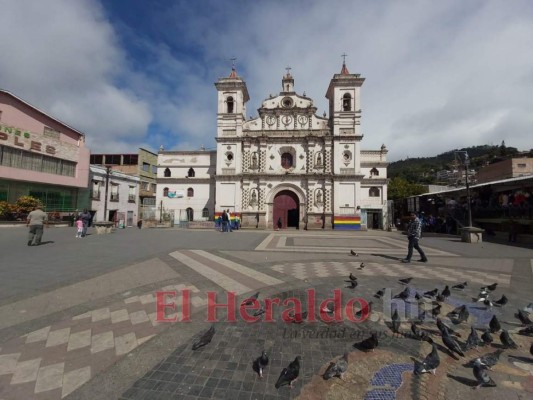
[286,207]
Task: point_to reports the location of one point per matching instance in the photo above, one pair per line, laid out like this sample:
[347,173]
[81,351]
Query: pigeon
[395,324]
[527,331]
[440,298]
[529,308]
[442,327]
[337,368]
[259,312]
[451,344]
[483,296]
[488,303]
[352,285]
[460,286]
[487,337]
[405,281]
[431,293]
[421,317]
[523,318]
[364,311]
[205,339]
[289,374]
[418,333]
[494,324]
[328,308]
[491,359]
[473,340]
[298,318]
[489,288]
[446,292]
[456,311]
[352,277]
[506,340]
[417,296]
[260,363]
[362,265]
[368,344]
[404,295]
[430,363]
[462,316]
[483,379]
[353,253]
[436,310]
[250,300]
[503,301]
[379,294]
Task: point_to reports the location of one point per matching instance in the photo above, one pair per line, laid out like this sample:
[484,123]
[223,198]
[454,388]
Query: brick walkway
[60,359]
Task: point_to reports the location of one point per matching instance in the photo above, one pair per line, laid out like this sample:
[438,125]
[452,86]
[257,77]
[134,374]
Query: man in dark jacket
[414,231]
[86,219]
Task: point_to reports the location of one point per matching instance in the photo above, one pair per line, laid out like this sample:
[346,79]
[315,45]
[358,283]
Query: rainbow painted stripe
[347,222]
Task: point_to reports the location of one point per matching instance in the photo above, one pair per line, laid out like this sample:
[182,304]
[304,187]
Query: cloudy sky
[439,75]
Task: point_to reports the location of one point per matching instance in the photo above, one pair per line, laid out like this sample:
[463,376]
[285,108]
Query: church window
[165,192]
[286,160]
[167,172]
[373,192]
[205,213]
[229,156]
[347,102]
[190,214]
[191,173]
[190,192]
[230,103]
[374,172]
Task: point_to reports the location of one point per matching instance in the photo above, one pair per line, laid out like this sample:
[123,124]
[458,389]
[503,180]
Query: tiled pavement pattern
[325,269]
[54,361]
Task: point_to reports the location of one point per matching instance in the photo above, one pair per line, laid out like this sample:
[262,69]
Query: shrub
[26,204]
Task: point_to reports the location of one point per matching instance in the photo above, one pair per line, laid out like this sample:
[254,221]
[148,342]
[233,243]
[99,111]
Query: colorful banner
[347,222]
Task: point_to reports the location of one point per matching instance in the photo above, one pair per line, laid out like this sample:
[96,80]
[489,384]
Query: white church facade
[288,166]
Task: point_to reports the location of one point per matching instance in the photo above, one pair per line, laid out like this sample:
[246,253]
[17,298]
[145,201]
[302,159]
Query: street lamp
[469,207]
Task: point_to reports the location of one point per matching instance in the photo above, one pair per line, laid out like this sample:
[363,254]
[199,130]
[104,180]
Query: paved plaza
[78,316]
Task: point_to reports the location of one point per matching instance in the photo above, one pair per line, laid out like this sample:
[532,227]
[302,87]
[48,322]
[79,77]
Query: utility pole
[107,173]
[469,205]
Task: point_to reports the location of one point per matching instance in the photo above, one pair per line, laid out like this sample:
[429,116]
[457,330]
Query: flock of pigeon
[429,364]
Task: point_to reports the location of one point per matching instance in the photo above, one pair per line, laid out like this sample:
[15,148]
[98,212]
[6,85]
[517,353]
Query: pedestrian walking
[86,218]
[414,231]
[230,227]
[35,221]
[224,221]
[79,228]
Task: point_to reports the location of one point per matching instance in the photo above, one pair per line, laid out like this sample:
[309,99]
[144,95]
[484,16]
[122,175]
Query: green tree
[400,188]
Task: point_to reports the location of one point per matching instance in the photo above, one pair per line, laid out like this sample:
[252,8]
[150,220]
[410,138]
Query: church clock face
[270,120]
[287,119]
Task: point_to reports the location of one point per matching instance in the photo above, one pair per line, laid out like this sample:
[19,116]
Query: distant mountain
[423,170]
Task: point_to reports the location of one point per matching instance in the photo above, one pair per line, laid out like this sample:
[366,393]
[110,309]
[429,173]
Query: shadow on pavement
[387,257]
[464,381]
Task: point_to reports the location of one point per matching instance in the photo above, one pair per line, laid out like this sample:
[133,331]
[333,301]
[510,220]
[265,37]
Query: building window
[145,186]
[113,159]
[154,169]
[95,191]
[521,165]
[347,102]
[146,167]
[230,103]
[167,173]
[205,213]
[131,194]
[190,192]
[190,214]
[191,173]
[374,172]
[17,158]
[286,160]
[373,192]
[165,192]
[97,159]
[130,159]
[114,192]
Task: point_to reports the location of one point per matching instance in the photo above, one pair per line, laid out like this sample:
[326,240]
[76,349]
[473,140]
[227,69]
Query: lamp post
[469,206]
[107,173]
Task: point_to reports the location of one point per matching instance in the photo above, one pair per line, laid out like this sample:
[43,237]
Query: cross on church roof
[344,70]
[233,69]
[344,55]
[288,70]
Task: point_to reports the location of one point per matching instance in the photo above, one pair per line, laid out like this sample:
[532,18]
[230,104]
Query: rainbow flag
[347,222]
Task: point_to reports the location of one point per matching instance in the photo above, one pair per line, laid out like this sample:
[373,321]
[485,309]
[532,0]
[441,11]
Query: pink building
[41,156]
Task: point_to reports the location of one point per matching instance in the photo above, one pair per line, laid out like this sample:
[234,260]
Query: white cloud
[439,75]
